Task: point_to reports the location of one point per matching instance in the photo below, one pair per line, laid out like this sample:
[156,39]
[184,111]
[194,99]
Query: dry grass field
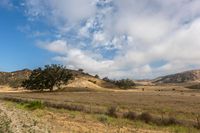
[166,101]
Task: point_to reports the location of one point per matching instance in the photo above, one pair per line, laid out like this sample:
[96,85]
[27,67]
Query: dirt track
[19,121]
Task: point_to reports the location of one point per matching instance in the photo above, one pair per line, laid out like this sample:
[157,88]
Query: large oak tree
[47,78]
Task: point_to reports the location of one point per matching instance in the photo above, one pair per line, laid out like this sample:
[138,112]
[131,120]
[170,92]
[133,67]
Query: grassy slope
[59,120]
[84,80]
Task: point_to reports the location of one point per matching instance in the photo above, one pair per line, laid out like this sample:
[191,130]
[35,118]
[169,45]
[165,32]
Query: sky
[115,38]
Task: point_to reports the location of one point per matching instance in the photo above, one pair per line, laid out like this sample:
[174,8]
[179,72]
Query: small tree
[47,78]
[124,83]
[80,70]
[96,76]
[106,79]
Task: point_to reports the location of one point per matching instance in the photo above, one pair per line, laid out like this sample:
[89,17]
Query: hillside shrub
[107,79]
[92,81]
[96,76]
[123,83]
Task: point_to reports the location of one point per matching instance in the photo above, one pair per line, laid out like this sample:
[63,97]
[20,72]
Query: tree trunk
[51,89]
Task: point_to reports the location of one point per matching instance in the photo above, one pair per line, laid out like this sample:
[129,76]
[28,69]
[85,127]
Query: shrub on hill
[14,79]
[15,83]
[96,76]
[123,83]
[47,78]
[81,70]
[107,79]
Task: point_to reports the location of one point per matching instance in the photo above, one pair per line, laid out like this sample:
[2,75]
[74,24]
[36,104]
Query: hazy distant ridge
[187,76]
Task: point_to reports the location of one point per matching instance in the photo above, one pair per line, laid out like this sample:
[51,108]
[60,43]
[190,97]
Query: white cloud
[122,38]
[58,46]
[147,29]
[99,38]
[60,12]
[76,58]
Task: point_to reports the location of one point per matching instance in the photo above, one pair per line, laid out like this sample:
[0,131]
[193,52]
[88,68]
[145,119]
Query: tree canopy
[47,78]
[123,83]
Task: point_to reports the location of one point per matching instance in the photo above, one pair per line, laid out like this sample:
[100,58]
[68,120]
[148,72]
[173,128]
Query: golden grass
[162,101]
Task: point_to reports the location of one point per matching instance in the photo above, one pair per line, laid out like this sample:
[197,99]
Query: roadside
[18,121]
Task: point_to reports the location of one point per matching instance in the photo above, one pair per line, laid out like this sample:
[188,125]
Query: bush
[34,105]
[130,115]
[112,111]
[166,121]
[16,83]
[80,70]
[124,83]
[103,118]
[107,79]
[92,81]
[96,76]
[146,117]
[172,121]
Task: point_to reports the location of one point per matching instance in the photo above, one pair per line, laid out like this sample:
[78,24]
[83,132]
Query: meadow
[167,102]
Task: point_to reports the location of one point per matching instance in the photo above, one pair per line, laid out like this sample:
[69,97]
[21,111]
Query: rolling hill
[85,80]
[14,79]
[81,79]
[183,77]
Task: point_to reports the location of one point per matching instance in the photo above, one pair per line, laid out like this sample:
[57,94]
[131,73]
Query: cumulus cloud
[58,46]
[122,38]
[76,58]
[59,12]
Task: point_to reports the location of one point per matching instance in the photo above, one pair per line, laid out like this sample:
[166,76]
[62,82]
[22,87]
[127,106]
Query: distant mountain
[187,76]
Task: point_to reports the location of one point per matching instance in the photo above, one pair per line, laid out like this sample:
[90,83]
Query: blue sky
[17,49]
[114,38]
